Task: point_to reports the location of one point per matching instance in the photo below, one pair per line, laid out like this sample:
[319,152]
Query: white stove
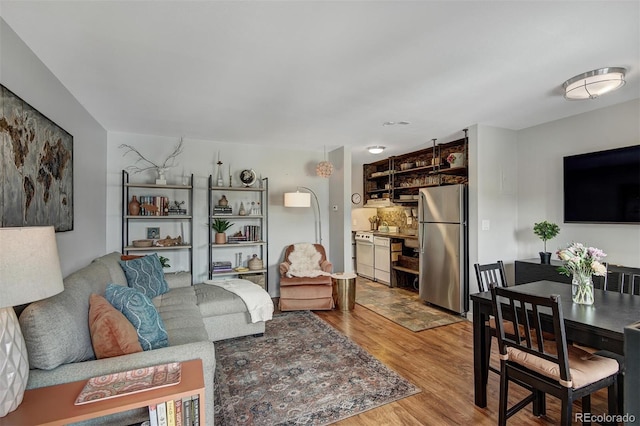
[364,254]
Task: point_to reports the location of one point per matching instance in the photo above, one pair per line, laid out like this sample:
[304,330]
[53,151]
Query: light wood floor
[438,361]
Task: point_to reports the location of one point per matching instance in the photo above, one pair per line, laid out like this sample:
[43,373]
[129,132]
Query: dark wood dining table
[599,326]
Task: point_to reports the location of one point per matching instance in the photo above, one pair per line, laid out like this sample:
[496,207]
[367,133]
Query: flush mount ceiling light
[393,123]
[377,149]
[592,84]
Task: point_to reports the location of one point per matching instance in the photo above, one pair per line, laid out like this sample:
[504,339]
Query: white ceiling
[321,74]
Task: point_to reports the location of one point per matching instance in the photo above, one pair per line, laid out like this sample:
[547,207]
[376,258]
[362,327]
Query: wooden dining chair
[620,279]
[487,275]
[546,367]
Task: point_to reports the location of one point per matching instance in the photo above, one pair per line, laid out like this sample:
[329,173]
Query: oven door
[364,259]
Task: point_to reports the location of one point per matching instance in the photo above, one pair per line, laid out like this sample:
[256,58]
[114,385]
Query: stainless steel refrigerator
[444,247]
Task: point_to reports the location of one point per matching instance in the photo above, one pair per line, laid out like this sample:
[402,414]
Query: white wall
[286,169]
[25,75]
[540,192]
[494,182]
[340,210]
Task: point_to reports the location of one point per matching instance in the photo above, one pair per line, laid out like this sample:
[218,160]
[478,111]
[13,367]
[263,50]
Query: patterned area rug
[401,306]
[301,372]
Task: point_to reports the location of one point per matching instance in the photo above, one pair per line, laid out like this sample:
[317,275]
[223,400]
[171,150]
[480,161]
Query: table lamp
[29,271]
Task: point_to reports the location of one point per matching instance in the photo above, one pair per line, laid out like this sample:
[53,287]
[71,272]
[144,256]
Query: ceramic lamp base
[14,364]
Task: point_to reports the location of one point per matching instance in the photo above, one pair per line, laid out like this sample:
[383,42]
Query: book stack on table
[222,210]
[218,267]
[179,412]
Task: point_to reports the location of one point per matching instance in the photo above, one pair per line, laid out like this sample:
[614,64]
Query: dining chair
[627,280]
[546,367]
[620,279]
[486,275]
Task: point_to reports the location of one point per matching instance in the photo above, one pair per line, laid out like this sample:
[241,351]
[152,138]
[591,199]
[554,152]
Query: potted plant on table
[220,226]
[546,231]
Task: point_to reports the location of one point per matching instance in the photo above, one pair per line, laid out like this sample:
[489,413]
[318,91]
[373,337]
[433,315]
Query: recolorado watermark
[608,418]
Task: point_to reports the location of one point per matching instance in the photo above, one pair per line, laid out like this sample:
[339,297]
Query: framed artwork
[153,233]
[36,169]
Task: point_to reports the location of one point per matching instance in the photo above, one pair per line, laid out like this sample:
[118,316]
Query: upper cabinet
[400,177]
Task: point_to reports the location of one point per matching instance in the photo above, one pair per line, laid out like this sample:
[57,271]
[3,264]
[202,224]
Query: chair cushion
[111,332]
[584,368]
[145,274]
[295,281]
[141,312]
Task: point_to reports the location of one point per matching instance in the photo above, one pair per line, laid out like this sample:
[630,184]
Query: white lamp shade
[29,265]
[297,199]
[29,271]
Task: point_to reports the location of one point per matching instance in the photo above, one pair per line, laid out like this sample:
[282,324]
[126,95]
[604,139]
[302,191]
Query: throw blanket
[305,261]
[258,301]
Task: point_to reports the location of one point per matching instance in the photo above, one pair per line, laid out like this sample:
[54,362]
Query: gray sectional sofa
[56,330]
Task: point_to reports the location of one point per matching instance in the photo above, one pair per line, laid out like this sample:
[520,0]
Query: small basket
[255,263]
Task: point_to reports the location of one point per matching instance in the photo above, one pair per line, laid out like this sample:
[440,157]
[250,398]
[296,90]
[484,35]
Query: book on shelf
[195,408]
[153,417]
[161,412]
[186,411]
[178,411]
[171,413]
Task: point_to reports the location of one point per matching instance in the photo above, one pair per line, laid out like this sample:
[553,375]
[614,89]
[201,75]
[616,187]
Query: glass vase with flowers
[582,263]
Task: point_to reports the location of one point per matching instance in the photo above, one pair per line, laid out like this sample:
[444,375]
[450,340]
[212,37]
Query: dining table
[600,326]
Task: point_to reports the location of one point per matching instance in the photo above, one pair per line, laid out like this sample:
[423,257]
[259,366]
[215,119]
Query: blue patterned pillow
[145,274]
[141,312]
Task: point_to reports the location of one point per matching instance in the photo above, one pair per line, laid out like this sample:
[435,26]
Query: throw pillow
[130,256]
[141,312]
[111,332]
[145,274]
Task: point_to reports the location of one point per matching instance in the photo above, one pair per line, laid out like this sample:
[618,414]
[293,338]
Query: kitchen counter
[394,235]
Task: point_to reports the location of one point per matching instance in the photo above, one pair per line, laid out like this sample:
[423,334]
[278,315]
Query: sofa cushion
[111,261]
[145,274]
[56,329]
[141,312]
[111,332]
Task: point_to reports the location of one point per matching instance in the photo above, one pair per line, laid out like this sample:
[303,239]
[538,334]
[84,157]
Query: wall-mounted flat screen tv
[603,187]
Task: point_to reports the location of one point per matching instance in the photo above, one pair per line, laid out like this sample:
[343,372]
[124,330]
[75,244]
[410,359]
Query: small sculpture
[168,242]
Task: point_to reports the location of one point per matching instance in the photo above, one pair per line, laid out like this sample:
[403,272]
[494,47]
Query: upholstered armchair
[305,278]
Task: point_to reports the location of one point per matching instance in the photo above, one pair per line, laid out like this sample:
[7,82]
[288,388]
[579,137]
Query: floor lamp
[303,199]
[29,271]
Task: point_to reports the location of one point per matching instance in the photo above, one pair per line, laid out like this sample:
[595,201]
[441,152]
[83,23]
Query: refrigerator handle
[421,233]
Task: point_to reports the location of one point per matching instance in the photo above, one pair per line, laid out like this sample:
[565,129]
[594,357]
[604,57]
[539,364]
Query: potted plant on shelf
[546,231]
[220,226]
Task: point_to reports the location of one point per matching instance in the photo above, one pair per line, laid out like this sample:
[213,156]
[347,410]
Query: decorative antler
[167,164]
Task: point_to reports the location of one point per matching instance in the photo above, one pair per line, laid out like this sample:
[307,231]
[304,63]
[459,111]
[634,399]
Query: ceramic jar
[223,201]
[134,206]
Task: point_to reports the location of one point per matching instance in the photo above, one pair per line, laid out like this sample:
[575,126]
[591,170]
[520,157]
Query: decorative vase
[223,201]
[134,206]
[582,288]
[545,257]
[221,238]
[242,211]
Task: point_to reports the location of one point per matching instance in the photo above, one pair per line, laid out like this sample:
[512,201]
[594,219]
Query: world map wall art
[36,167]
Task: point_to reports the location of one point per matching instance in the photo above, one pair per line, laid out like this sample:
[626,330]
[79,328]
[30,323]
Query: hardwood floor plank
[440,362]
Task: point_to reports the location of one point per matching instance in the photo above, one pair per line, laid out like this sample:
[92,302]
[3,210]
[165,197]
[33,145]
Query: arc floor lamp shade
[29,271]
[303,199]
[297,199]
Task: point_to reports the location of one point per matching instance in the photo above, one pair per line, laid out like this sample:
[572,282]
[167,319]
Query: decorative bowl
[142,243]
